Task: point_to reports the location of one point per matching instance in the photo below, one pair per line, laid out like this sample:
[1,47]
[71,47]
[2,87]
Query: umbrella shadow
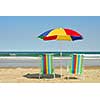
[37,75]
[70,78]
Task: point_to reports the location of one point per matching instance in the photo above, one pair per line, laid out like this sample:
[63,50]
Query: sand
[30,75]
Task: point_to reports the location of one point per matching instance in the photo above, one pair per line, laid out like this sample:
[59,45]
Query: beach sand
[30,75]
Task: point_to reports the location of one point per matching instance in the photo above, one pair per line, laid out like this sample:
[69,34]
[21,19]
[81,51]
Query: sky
[19,33]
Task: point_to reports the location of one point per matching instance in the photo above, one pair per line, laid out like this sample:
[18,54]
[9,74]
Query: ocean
[32,59]
[36,54]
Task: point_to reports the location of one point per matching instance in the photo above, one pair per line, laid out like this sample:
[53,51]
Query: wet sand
[31,75]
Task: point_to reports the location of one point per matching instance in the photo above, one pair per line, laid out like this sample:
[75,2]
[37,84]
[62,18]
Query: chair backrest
[76,64]
[47,64]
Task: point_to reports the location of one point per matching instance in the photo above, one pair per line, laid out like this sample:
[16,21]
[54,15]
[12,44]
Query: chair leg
[39,76]
[68,76]
[68,72]
[54,75]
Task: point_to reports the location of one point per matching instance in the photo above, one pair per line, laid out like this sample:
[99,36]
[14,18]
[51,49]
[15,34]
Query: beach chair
[76,68]
[47,68]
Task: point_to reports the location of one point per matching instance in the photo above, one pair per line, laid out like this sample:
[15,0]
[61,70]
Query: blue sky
[20,33]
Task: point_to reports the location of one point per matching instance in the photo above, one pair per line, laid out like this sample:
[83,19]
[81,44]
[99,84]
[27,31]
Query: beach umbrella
[60,34]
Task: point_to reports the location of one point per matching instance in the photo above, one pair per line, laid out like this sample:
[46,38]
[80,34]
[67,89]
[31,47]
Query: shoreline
[39,58]
[86,67]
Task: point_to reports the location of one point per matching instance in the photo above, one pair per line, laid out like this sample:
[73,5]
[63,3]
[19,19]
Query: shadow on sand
[36,76]
[70,78]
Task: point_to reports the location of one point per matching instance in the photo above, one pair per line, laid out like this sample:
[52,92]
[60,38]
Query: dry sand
[30,75]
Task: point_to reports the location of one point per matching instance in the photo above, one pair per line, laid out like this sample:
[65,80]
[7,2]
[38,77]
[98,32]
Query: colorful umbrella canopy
[61,34]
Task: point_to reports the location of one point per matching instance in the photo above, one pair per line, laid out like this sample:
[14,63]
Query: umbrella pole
[61,63]
[61,59]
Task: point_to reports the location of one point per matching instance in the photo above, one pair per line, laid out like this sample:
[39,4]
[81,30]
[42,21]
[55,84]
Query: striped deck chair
[76,64]
[47,65]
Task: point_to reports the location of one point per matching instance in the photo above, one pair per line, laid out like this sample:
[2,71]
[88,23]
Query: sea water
[36,61]
[32,59]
